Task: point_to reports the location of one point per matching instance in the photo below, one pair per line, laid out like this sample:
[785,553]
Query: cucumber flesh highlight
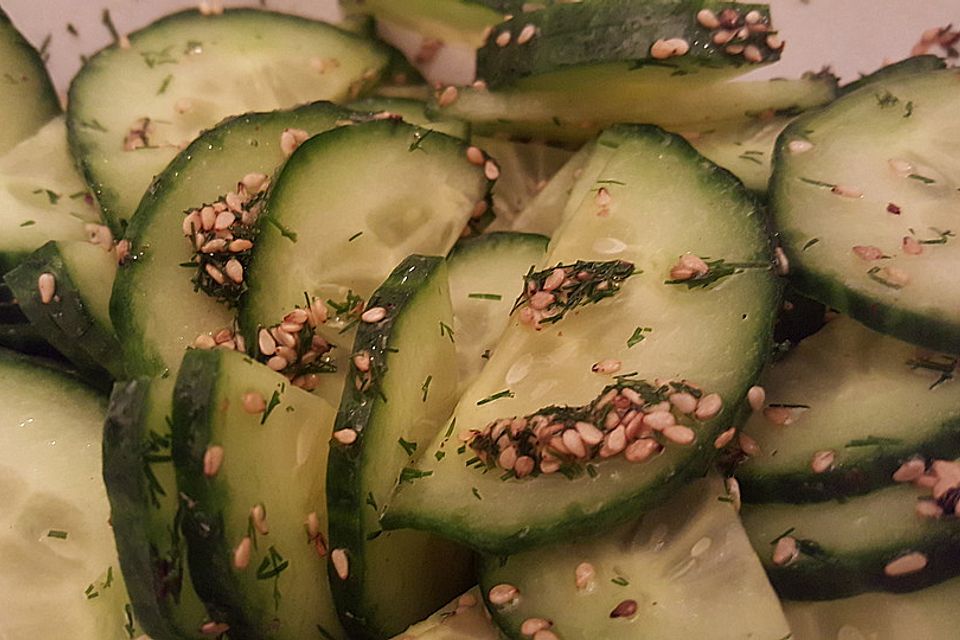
[462,619]
[531,368]
[395,403]
[746,150]
[670,576]
[186,72]
[457,21]
[544,213]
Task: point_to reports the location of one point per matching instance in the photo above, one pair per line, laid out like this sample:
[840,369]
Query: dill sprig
[946,366]
[583,283]
[717,270]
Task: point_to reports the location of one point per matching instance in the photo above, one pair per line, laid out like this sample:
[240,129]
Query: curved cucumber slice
[414,112]
[59,568]
[745,150]
[27,97]
[483,285]
[562,46]
[930,613]
[186,72]
[146,287]
[463,619]
[870,400]
[845,548]
[544,213]
[864,194]
[398,400]
[636,215]
[145,510]
[453,21]
[672,575]
[251,481]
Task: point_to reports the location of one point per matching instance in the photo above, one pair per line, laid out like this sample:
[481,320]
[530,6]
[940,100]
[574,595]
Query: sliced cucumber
[397,399]
[907,66]
[483,286]
[868,400]
[153,338]
[745,150]
[250,454]
[591,45]
[145,510]
[446,21]
[463,619]
[643,332]
[414,112]
[930,614]
[186,72]
[845,548]
[865,195]
[347,207]
[672,575]
[544,212]
[58,564]
[42,197]
[27,97]
[679,103]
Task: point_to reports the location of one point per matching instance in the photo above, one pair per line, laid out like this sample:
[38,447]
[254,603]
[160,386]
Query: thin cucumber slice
[186,72]
[670,576]
[643,220]
[402,386]
[870,401]
[156,309]
[27,97]
[414,112]
[907,66]
[847,547]
[864,194]
[76,320]
[544,213]
[145,510]
[745,150]
[347,207]
[42,197]
[483,286]
[679,103]
[573,46]
[58,564]
[930,614]
[446,21]
[252,483]
[462,619]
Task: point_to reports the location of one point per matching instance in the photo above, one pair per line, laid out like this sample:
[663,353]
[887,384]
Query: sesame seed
[708,407]
[479,209]
[748,445]
[894,276]
[614,442]
[823,461]
[291,139]
[241,555]
[928,509]
[123,251]
[906,564]
[901,167]
[47,286]
[491,170]
[641,450]
[659,420]
[223,221]
[584,575]
[607,366]
[723,36]
[266,343]
[911,246]
[756,397]
[214,246]
[554,280]
[781,261]
[524,466]
[204,342]
[751,53]
[680,434]
[684,402]
[373,315]
[215,273]
[541,300]
[708,19]
[258,516]
[733,491]
[545,634]
[663,49]
[448,96]
[590,435]
[214,628]
[467,600]
[503,38]
[254,182]
[475,156]
[241,245]
[752,17]
[847,191]
[503,594]
[345,436]
[625,609]
[278,363]
[527,34]
[531,625]
[779,416]
[786,551]
[725,438]
[507,459]
[700,547]
[910,470]
[341,563]
[208,218]
[574,443]
[212,460]
[234,270]
[799,146]
[362,361]
[774,42]
[191,223]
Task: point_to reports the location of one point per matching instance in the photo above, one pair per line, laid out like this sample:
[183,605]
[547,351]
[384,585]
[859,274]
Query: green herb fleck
[107,21]
[128,626]
[94,125]
[485,296]
[920,178]
[56,533]
[409,474]
[285,231]
[52,196]
[446,331]
[326,635]
[72,30]
[440,455]
[585,282]
[409,447]
[476,494]
[872,441]
[783,535]
[638,336]
[355,236]
[810,243]
[886,99]
[271,567]
[274,401]
[156,58]
[28,223]
[44,50]
[592,470]
[419,136]
[944,365]
[750,158]
[620,581]
[91,592]
[717,270]
[875,274]
[818,183]
[372,501]
[908,109]
[623,184]
[165,84]
[506,393]
[724,499]
[425,388]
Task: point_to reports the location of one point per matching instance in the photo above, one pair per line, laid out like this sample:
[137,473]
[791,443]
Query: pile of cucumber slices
[603,343]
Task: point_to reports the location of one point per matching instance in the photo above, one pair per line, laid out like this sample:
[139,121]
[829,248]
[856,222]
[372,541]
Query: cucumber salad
[604,342]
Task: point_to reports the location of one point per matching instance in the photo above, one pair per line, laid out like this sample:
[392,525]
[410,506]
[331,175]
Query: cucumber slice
[869,400]
[483,282]
[463,619]
[185,73]
[42,197]
[648,219]
[907,66]
[348,206]
[153,338]
[446,21]
[864,193]
[76,320]
[845,547]
[670,576]
[414,112]
[591,45]
[145,510]
[251,482]
[544,212]
[930,613]
[27,97]
[745,150]
[679,103]
[59,565]
[397,401]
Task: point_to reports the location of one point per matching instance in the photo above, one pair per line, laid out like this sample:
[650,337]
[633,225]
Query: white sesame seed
[212,460]
[774,42]
[527,34]
[345,436]
[448,96]
[234,270]
[341,563]
[823,461]
[679,434]
[123,251]
[894,276]
[723,36]
[708,407]
[258,516]
[756,397]
[191,223]
[799,146]
[215,273]
[204,342]
[214,628]
[928,509]
[901,167]
[733,492]
[241,245]
[661,50]
[781,261]
[725,438]
[700,547]
[214,246]
[589,433]
[475,156]
[47,287]
[684,402]
[266,343]
[373,315]
[541,300]
[708,19]
[752,17]
[254,402]
[847,191]
[253,182]
[284,338]
[574,443]
[614,442]
[362,361]
[291,139]
[503,38]
[906,564]
[659,420]
[910,470]
[610,365]
[241,555]
[507,459]
[503,594]
[584,575]
[748,445]
[679,46]
[531,625]
[491,170]
[911,246]
[208,218]
[641,450]
[734,49]
[467,600]
[524,466]
[223,221]
[545,634]
[786,551]
[278,363]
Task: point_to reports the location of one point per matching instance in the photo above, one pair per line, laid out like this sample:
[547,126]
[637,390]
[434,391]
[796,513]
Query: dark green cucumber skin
[586,33]
[203,524]
[23,283]
[16,332]
[916,64]
[357,410]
